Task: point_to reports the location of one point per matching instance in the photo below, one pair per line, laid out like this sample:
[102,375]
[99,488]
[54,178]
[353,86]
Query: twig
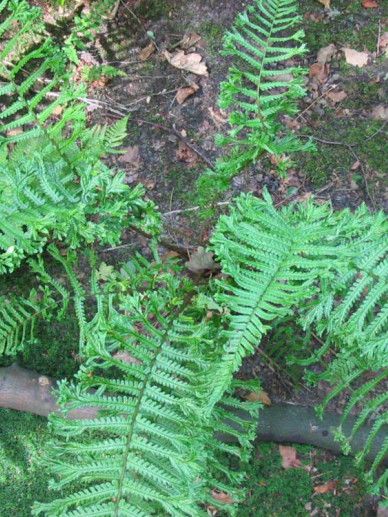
[193,209]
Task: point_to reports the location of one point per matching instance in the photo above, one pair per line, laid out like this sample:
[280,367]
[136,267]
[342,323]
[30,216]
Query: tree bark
[25,390]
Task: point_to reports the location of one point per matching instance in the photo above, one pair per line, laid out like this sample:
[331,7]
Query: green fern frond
[274,259]
[258,91]
[148,450]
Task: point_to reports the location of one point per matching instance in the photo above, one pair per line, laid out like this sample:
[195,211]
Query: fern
[148,450]
[329,267]
[258,91]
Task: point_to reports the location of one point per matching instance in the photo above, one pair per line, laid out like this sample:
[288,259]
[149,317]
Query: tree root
[25,390]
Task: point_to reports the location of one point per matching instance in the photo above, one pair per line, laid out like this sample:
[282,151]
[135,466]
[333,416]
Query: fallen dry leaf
[259,396]
[325,3]
[355,58]
[147,51]
[369,4]
[191,62]
[327,487]
[201,261]
[325,54]
[289,459]
[319,72]
[355,165]
[222,497]
[189,40]
[219,116]
[186,92]
[185,154]
[383,42]
[336,96]
[131,157]
[126,357]
[380,112]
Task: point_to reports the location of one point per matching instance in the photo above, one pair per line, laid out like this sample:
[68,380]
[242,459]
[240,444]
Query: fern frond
[258,91]
[273,258]
[148,450]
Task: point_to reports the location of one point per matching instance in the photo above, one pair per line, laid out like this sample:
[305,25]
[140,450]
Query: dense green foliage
[157,372]
[261,87]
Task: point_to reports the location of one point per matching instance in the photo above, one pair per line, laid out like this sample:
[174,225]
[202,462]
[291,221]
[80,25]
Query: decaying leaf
[218,116]
[222,497]
[325,3]
[186,155]
[380,112]
[289,459]
[369,4]
[201,261]
[147,51]
[383,42]
[336,96]
[131,157]
[325,54]
[191,62]
[259,396]
[355,58]
[189,40]
[319,72]
[186,92]
[330,486]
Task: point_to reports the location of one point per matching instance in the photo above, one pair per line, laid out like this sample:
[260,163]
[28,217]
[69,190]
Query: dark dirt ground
[348,167]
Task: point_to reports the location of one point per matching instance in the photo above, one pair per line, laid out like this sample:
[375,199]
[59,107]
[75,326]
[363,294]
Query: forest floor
[169,145]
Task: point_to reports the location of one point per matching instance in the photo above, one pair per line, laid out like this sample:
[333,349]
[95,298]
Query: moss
[330,161]
[153,9]
[23,438]
[213,34]
[273,491]
[352,26]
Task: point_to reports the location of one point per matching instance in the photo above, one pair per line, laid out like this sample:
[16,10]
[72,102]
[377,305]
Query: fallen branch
[28,391]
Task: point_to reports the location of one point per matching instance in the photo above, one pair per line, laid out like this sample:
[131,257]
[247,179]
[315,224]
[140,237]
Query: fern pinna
[261,86]
[328,269]
[147,450]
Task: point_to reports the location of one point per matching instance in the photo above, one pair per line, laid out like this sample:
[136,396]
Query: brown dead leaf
[369,4]
[330,486]
[190,62]
[380,112]
[131,157]
[147,51]
[201,261]
[319,72]
[189,40]
[325,3]
[126,357]
[356,165]
[185,154]
[14,132]
[219,116]
[335,96]
[259,396]
[325,54]
[289,459]
[222,497]
[383,42]
[186,92]
[355,58]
